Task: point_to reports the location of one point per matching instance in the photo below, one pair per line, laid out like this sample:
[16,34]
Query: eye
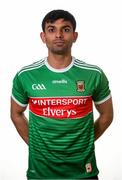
[50,30]
[67,30]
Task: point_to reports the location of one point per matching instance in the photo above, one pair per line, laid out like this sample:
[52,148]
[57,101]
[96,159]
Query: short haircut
[54,15]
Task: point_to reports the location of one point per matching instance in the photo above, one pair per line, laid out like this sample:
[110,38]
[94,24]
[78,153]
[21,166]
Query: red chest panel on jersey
[61,107]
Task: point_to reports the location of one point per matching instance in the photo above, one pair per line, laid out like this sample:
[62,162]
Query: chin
[59,52]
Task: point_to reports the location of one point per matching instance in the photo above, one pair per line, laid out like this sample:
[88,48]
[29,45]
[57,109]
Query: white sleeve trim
[19,103]
[102,101]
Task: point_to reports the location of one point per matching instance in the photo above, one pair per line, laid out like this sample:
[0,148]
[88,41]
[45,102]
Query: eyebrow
[50,26]
[53,26]
[67,26]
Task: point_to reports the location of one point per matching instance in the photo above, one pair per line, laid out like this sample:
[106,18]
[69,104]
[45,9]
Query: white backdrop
[99,23]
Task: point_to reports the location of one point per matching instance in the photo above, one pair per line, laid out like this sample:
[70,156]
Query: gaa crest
[80,86]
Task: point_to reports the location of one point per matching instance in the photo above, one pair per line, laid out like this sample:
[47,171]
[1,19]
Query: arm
[19,120]
[106,116]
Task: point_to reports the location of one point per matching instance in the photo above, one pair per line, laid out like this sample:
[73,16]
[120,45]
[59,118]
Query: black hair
[54,15]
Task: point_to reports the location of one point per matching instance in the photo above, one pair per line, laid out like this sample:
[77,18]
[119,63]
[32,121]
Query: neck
[59,61]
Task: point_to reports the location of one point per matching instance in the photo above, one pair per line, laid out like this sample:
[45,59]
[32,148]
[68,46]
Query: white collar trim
[59,70]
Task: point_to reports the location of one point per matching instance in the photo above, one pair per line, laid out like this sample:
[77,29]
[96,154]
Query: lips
[59,42]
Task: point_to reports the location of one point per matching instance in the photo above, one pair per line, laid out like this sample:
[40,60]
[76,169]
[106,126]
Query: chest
[50,84]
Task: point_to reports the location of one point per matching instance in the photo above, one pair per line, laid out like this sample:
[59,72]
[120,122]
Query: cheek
[48,43]
[48,39]
[70,38]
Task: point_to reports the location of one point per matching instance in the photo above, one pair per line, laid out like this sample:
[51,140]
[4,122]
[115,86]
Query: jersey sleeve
[102,91]
[19,95]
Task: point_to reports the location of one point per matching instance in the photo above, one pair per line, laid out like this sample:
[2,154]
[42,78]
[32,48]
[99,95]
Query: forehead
[59,23]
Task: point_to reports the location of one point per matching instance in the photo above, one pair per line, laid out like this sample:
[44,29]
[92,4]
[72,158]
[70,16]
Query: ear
[42,36]
[75,36]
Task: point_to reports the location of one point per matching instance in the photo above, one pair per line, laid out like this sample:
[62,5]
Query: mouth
[59,43]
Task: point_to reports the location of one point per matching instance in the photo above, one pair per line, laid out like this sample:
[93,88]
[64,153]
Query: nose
[59,34]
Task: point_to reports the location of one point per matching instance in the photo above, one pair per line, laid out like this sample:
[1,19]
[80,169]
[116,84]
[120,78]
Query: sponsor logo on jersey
[88,168]
[61,108]
[62,81]
[38,87]
[80,86]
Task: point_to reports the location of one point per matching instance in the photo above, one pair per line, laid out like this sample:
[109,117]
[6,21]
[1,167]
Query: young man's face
[59,36]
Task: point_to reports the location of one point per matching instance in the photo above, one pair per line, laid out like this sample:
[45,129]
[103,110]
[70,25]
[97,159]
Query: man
[60,91]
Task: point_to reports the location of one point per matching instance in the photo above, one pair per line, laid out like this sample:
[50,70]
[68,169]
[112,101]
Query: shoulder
[32,67]
[87,67]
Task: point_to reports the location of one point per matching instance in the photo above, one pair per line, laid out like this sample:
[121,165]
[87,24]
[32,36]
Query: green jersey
[61,124]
